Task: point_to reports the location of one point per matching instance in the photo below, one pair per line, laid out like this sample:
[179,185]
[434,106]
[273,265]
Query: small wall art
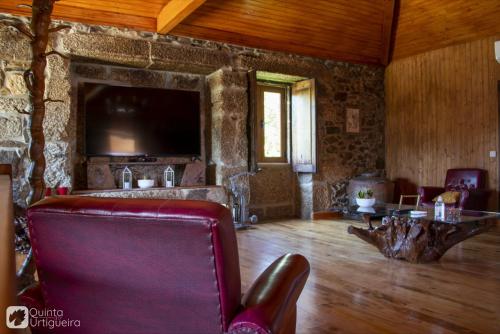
[352,120]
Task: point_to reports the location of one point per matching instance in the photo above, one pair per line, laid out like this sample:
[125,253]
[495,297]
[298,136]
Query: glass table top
[382,210]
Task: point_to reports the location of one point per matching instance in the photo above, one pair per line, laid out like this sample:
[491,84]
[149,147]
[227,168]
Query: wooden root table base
[417,240]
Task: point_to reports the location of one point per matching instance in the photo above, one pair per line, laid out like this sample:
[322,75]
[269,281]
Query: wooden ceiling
[361,31]
[424,25]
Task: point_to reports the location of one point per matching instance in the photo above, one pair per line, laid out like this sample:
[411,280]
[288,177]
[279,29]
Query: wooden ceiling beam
[388,25]
[174,12]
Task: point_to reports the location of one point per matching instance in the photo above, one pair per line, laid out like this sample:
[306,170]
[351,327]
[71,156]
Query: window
[281,121]
[272,123]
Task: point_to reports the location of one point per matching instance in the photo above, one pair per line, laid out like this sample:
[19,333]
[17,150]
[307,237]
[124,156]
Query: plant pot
[365,202]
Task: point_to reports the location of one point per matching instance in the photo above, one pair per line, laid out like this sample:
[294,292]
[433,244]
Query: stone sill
[216,194]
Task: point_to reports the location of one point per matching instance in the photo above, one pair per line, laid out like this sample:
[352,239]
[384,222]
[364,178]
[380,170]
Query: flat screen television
[137,121]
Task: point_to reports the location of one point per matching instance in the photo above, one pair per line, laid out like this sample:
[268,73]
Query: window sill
[273,164]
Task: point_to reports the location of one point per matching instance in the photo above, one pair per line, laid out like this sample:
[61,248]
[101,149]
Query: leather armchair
[470,182]
[153,266]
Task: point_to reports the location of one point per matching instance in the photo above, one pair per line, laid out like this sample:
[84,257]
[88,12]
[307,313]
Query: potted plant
[364,198]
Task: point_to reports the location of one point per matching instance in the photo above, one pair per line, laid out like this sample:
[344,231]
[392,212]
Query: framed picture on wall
[352,120]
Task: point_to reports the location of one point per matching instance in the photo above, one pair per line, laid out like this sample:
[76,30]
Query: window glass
[272,125]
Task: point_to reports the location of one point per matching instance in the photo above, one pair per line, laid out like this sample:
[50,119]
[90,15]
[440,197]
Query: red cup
[48,192]
[62,191]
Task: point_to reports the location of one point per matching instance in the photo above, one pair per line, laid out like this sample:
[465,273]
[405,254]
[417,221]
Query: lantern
[169,177]
[127,178]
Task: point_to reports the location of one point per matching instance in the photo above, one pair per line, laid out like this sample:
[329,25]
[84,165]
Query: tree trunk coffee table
[424,239]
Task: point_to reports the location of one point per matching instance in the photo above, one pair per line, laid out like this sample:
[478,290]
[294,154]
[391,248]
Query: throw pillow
[449,197]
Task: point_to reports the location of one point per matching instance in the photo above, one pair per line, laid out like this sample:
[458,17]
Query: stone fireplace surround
[220,69]
[87,169]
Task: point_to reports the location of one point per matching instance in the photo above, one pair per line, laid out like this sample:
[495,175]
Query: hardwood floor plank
[355,289]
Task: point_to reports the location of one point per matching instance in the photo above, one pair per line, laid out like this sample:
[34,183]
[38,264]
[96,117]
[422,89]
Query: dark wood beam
[387,30]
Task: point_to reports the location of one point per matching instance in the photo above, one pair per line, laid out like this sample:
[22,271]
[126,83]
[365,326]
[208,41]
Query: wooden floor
[354,289]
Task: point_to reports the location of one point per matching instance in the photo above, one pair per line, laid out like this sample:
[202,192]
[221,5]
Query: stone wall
[339,85]
[273,192]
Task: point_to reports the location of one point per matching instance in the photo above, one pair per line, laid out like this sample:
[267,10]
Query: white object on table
[144,184]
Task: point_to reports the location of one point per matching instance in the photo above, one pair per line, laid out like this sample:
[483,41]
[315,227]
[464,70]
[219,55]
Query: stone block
[276,62]
[11,127]
[213,194]
[223,173]
[305,194]
[90,71]
[272,185]
[226,78]
[196,194]
[59,85]
[58,164]
[147,78]
[13,45]
[184,81]
[233,145]
[234,98]
[56,121]
[112,49]
[166,56]
[14,82]
[194,174]
[100,177]
[9,105]
[321,196]
[18,64]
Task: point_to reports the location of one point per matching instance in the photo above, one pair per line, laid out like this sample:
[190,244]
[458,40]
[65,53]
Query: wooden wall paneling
[442,112]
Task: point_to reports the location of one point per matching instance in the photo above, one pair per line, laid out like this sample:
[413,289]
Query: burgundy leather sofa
[470,182]
[153,266]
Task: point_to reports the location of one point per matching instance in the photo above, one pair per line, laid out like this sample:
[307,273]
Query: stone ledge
[216,194]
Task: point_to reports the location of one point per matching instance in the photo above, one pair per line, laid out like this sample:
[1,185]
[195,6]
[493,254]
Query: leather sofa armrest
[270,304]
[427,194]
[32,297]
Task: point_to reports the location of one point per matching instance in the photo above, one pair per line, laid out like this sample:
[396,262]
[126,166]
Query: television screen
[135,121]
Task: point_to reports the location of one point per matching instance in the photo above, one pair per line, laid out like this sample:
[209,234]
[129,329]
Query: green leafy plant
[365,193]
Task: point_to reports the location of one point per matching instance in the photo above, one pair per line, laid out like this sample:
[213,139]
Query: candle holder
[169,176]
[127,178]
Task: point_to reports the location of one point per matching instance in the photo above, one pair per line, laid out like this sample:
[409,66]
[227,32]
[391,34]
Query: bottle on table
[439,209]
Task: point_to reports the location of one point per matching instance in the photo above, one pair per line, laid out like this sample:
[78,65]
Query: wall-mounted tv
[137,121]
